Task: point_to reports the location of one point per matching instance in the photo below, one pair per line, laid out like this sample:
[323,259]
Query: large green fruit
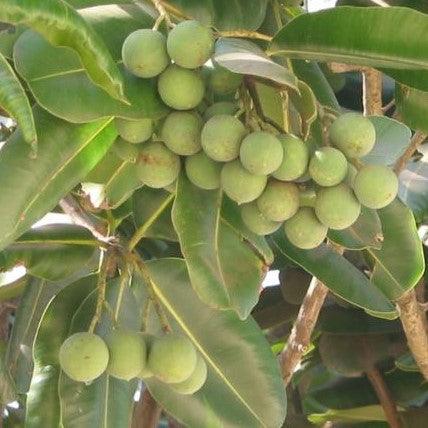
[222,81]
[158,166]
[190,44]
[239,184]
[222,107]
[196,380]
[203,172]
[375,186]
[134,131]
[256,221]
[148,340]
[128,354]
[180,88]
[172,358]
[181,132]
[261,153]
[353,134]
[221,137]
[144,53]
[295,160]
[304,230]
[84,356]
[328,166]
[337,207]
[294,283]
[279,201]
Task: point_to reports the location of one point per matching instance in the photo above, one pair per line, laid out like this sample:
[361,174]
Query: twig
[372,92]
[388,106]
[163,15]
[147,412]
[245,34]
[417,139]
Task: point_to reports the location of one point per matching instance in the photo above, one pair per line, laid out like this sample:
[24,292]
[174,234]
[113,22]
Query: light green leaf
[8,37]
[306,105]
[413,107]
[358,414]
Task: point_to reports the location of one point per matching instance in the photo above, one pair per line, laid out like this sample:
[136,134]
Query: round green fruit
[145,372]
[83,357]
[375,186]
[261,153]
[202,171]
[134,131]
[222,81]
[222,107]
[126,151]
[328,166]
[172,358]
[240,185]
[190,44]
[337,207]
[304,230]
[221,137]
[180,88]
[196,380]
[353,134]
[279,201]
[144,53]
[350,175]
[256,221]
[181,132]
[158,166]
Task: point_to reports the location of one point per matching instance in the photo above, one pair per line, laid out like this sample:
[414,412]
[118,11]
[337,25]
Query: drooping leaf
[412,106]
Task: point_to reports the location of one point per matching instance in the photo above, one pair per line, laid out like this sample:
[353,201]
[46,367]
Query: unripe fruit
[328,166]
[221,137]
[304,230]
[222,81]
[126,151]
[196,380]
[337,207]
[190,44]
[295,160]
[261,153]
[181,132]
[353,134]
[144,53]
[375,186]
[202,171]
[172,358]
[239,184]
[158,166]
[180,88]
[128,354]
[222,107]
[83,356]
[145,372]
[134,131]
[256,221]
[350,175]
[279,201]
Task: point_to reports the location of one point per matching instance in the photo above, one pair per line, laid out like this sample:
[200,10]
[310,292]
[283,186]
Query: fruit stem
[124,281]
[244,34]
[163,15]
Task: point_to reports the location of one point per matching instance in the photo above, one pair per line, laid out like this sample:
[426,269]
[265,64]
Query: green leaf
[31,188]
[61,25]
[55,74]
[358,414]
[8,37]
[11,290]
[224,271]
[270,103]
[244,386]
[407,363]
[412,106]
[14,100]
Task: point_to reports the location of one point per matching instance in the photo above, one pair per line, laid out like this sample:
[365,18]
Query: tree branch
[372,92]
[147,412]
[417,139]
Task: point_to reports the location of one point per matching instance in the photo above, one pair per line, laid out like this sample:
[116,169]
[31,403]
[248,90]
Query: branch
[147,412]
[336,67]
[245,34]
[417,139]
[372,92]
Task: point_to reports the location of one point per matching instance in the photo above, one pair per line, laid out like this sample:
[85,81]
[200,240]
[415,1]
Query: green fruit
[158,166]
[126,151]
[134,131]
[350,175]
[261,153]
[256,221]
[83,356]
[294,284]
[145,371]
[180,88]
[279,201]
[295,160]
[181,132]
[375,186]
[196,380]
[328,166]
[128,354]
[222,81]
[337,207]
[203,172]
[172,358]
[239,184]
[353,134]
[221,137]
[222,107]
[304,230]
[190,44]
[144,53]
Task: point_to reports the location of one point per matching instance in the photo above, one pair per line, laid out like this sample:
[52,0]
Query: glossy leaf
[270,104]
[412,106]
[305,104]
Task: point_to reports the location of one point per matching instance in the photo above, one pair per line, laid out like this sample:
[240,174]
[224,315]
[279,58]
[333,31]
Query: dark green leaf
[413,107]
[407,363]
[270,103]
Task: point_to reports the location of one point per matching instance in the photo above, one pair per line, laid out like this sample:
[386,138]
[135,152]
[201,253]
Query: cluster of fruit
[126,355]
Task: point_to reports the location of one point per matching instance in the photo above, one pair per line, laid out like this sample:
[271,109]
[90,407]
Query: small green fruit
[172,358]
[353,134]
[222,81]
[181,132]
[221,137]
[202,171]
[256,221]
[239,184]
[261,153]
[196,380]
[375,186]
[222,107]
[304,230]
[83,357]
[126,151]
[350,175]
[180,88]
[145,372]
[337,207]
[328,166]
[134,131]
